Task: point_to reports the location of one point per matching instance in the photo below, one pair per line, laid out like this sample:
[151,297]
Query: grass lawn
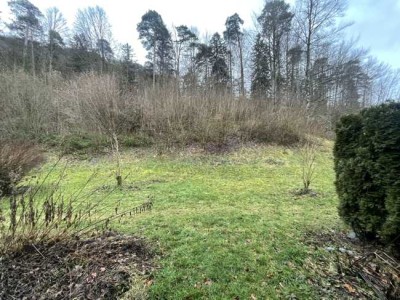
[225,226]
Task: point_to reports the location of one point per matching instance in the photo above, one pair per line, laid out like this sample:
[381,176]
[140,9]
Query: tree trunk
[241,68]
[230,68]
[115,145]
[33,59]
[154,63]
[50,56]
[178,62]
[119,180]
[25,50]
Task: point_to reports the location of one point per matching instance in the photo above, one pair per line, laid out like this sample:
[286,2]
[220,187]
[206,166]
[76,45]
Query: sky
[376,22]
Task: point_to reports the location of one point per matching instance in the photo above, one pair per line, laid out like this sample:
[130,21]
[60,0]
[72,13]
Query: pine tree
[157,40]
[185,39]
[127,63]
[219,67]
[234,37]
[261,73]
[26,24]
[276,20]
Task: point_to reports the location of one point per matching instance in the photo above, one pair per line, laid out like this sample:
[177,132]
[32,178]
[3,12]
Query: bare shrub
[16,159]
[98,104]
[308,160]
[94,103]
[215,118]
[27,106]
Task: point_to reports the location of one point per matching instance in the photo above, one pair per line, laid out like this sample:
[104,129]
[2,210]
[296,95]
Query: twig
[391,261]
[33,245]
[377,291]
[137,210]
[365,257]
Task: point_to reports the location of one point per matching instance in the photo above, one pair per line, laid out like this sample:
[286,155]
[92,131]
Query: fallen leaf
[208,281]
[149,282]
[349,288]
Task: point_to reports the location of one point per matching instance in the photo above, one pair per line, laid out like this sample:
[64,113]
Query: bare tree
[92,23]
[55,28]
[1,23]
[316,21]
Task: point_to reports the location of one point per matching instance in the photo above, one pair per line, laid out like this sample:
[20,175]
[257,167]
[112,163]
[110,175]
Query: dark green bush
[367,165]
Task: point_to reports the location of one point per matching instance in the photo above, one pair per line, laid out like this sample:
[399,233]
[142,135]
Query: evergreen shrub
[367,166]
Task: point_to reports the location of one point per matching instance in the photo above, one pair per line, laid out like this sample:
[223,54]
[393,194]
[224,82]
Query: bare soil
[99,267]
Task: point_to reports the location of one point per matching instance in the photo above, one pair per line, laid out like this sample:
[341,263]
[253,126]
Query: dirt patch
[222,147]
[99,267]
[351,269]
[304,193]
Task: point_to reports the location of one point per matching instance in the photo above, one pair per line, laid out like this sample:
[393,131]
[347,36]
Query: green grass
[225,226]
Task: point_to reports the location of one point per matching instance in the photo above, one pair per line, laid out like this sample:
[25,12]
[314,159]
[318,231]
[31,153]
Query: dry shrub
[98,104]
[214,118]
[16,159]
[94,103]
[27,106]
[308,164]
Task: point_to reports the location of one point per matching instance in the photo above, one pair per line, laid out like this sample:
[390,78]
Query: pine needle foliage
[367,165]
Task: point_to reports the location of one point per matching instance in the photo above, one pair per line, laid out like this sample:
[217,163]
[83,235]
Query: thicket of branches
[80,78]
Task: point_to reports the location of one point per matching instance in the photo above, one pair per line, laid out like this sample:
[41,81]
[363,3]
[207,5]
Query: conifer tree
[234,36]
[26,24]
[275,20]
[157,40]
[261,73]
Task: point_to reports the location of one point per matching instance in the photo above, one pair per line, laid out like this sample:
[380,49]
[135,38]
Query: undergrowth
[80,114]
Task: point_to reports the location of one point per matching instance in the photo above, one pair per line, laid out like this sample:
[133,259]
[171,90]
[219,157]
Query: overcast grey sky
[377,22]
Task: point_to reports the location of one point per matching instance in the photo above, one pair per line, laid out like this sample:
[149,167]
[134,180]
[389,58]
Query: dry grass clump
[16,159]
